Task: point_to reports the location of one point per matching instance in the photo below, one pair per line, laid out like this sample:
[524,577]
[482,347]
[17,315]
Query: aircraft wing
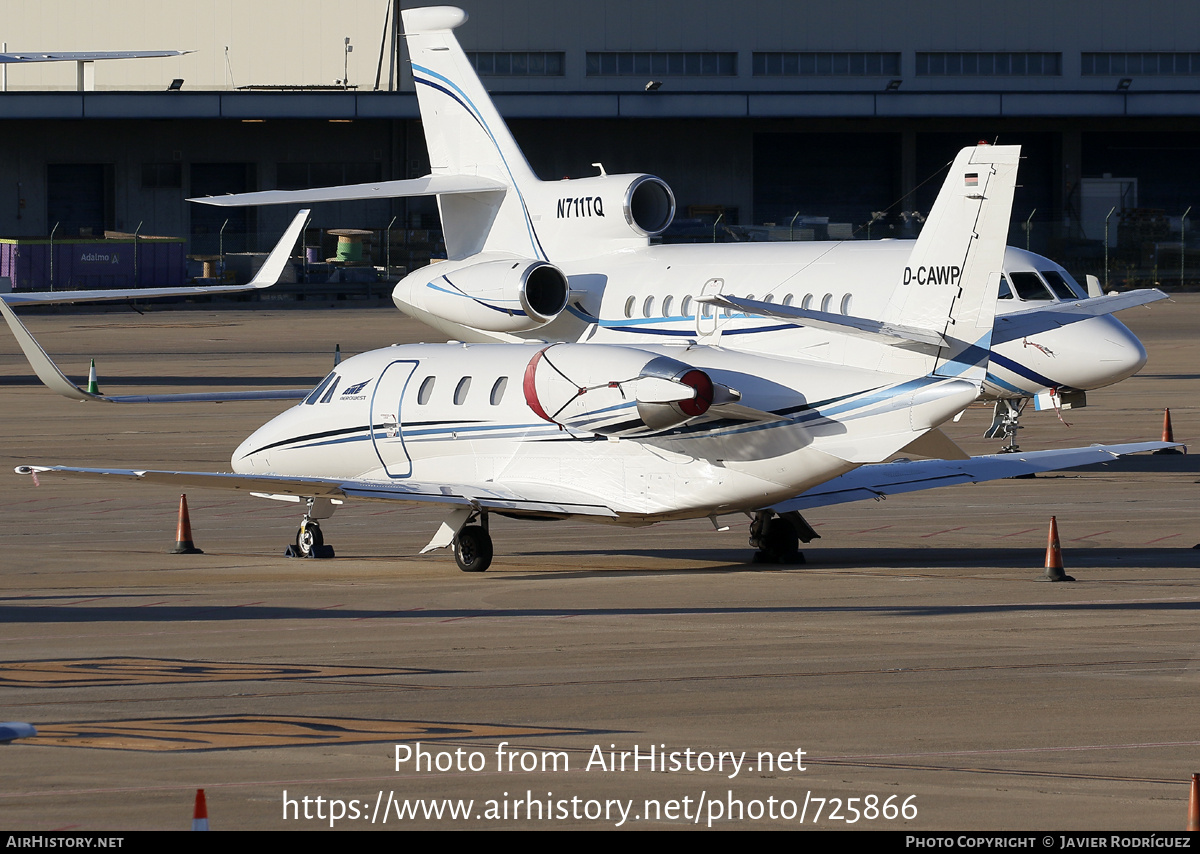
[57,381]
[267,275]
[1031,321]
[518,500]
[429,185]
[860,327]
[885,479]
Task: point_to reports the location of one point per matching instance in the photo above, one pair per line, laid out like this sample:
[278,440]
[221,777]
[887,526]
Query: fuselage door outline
[387,419]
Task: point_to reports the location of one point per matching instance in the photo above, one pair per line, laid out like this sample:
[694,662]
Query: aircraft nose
[1113,354]
[253,455]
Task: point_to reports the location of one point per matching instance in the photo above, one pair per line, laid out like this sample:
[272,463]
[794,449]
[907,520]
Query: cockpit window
[316,392]
[328,396]
[1029,286]
[1060,286]
[1005,290]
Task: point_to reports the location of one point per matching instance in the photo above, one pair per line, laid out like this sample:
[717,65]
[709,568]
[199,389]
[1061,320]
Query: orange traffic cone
[183,532]
[200,813]
[1168,434]
[1054,563]
[1194,804]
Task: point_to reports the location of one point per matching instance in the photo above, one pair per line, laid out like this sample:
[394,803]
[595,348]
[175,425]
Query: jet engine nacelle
[615,390]
[497,293]
[607,207]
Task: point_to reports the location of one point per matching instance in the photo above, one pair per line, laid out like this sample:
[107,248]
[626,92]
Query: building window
[1145,64]
[661,64]
[984,64]
[517,63]
[826,64]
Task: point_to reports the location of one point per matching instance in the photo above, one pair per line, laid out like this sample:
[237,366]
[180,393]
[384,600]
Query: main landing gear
[473,546]
[777,538]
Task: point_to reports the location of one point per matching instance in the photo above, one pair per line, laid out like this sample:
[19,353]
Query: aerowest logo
[583,206]
[354,389]
[944,275]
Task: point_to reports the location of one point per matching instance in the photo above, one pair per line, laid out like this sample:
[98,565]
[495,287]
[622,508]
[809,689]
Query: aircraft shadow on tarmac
[881,559]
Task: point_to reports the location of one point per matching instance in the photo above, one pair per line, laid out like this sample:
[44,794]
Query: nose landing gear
[310,542]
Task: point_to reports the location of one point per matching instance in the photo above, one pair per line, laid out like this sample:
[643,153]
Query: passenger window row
[808,301]
[495,397]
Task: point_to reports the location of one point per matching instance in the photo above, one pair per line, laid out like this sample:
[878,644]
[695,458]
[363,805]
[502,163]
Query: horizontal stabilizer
[57,381]
[429,185]
[860,327]
[880,481]
[1031,321]
[268,274]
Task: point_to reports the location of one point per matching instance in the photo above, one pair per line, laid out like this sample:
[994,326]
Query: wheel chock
[318,552]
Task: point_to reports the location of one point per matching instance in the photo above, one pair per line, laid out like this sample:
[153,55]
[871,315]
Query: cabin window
[648,307]
[328,396]
[460,391]
[666,306]
[426,390]
[1029,286]
[846,304]
[316,392]
[826,302]
[787,300]
[769,298]
[498,391]
[806,303]
[686,307]
[629,306]
[707,310]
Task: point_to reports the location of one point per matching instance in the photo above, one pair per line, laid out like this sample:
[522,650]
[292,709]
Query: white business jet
[572,261]
[633,435]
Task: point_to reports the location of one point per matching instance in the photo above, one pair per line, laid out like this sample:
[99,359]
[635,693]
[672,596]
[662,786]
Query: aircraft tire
[473,549]
[309,538]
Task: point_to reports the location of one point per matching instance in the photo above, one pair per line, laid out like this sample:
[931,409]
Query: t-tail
[546,221]
[951,282]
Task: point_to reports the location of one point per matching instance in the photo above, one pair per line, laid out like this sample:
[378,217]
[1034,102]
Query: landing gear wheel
[309,538]
[473,549]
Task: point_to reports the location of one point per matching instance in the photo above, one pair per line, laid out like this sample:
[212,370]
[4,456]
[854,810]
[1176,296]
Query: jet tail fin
[466,136]
[951,282]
